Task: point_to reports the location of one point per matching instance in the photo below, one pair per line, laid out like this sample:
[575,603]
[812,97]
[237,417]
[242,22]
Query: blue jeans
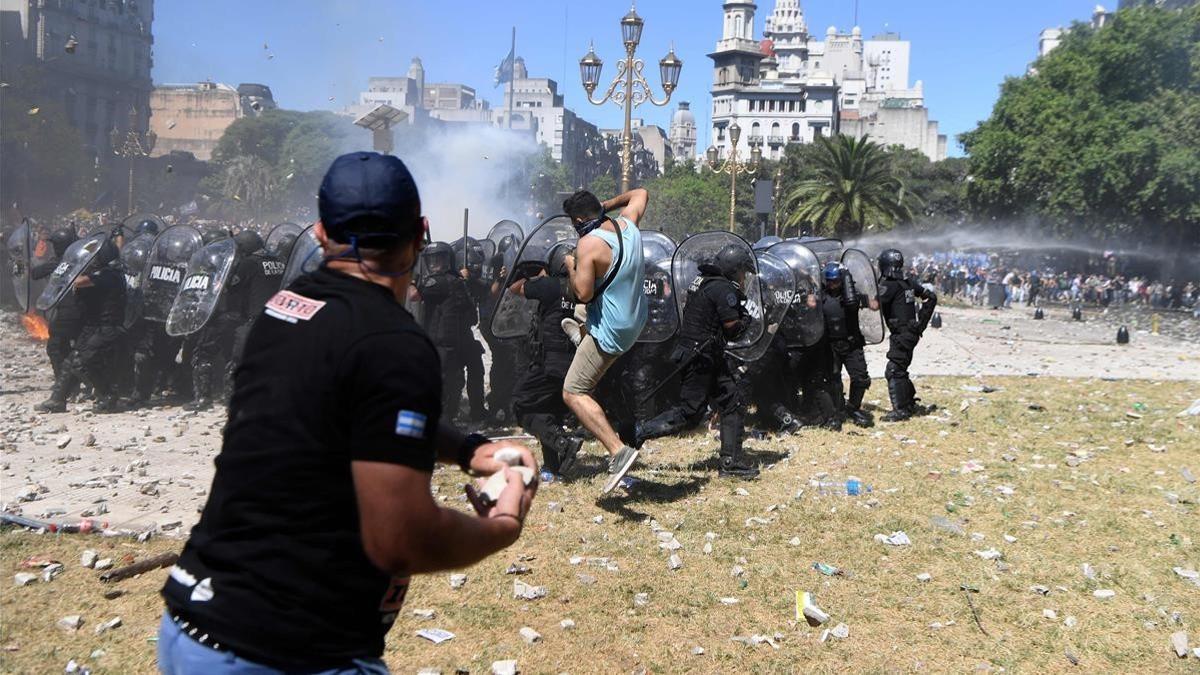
[179,654]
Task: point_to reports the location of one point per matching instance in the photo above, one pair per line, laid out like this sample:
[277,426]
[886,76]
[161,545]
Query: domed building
[683,133]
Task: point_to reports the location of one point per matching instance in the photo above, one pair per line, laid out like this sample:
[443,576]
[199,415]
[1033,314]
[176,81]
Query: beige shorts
[588,367]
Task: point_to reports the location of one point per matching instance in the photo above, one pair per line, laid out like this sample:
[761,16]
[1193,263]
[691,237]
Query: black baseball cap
[370,198]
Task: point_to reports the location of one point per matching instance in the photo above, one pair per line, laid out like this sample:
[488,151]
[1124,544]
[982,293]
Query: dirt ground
[1075,481]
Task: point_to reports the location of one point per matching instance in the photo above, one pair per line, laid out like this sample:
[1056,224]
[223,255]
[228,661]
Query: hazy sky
[318,49]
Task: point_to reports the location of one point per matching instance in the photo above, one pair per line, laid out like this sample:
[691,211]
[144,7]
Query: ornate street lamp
[132,146]
[629,88]
[733,167]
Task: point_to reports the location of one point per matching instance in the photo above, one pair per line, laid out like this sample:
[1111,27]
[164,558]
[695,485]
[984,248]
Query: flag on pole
[504,71]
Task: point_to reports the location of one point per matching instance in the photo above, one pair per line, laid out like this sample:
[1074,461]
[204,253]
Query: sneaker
[566,463]
[618,466]
[573,330]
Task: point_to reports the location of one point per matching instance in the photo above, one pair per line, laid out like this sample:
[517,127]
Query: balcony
[754,139]
[775,140]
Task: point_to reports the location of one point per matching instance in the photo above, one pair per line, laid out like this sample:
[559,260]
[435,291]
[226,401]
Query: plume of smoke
[996,237]
[469,167]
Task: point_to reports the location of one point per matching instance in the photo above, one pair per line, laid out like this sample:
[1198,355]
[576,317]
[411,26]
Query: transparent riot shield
[281,237]
[133,259]
[207,272]
[777,287]
[662,320]
[826,250]
[804,325]
[515,314]
[21,264]
[74,261]
[164,270]
[469,254]
[151,222]
[866,284]
[507,236]
[766,242]
[702,249]
[305,257]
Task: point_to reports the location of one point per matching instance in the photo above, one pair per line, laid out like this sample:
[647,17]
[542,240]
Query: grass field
[1093,476]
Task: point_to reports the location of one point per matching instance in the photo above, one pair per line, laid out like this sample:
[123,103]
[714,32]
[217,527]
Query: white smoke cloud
[470,167]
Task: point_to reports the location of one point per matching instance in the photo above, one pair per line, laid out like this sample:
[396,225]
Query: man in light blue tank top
[606,274]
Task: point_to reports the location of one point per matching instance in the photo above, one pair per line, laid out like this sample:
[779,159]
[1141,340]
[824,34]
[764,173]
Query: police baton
[695,353]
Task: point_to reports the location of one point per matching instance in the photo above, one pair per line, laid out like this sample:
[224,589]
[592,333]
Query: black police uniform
[256,278]
[897,301]
[714,300]
[846,343]
[211,348]
[502,375]
[334,371]
[537,397]
[450,311]
[62,321]
[93,356]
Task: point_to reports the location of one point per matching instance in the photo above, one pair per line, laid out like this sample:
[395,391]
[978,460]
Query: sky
[318,54]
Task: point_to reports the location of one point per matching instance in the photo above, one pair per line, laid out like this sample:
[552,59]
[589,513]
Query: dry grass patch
[1124,509]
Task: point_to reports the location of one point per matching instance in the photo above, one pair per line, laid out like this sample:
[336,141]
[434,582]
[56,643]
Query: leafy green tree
[262,136]
[938,190]
[308,150]
[853,189]
[250,182]
[1102,139]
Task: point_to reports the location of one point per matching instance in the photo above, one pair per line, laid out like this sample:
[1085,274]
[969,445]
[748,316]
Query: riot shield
[207,272]
[23,256]
[866,282]
[662,315]
[279,235]
[826,250]
[766,242]
[702,248]
[777,287]
[74,261]
[514,314]
[507,236]
[469,254]
[130,225]
[163,273]
[305,258]
[133,258]
[804,325]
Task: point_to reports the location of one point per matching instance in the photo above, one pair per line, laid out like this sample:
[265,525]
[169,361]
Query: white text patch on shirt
[292,307]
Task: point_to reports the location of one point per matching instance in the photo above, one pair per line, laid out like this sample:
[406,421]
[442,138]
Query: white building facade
[791,87]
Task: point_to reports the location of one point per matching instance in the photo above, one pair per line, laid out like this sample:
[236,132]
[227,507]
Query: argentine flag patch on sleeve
[410,424]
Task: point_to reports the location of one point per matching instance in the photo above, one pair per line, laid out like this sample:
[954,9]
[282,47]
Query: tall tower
[683,133]
[788,32]
[735,67]
[416,73]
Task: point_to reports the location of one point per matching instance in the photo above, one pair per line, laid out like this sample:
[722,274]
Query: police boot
[567,447]
[733,462]
[201,388]
[856,414]
[65,385]
[788,423]
[899,411]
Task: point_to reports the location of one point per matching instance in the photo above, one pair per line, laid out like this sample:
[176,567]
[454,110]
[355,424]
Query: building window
[796,131]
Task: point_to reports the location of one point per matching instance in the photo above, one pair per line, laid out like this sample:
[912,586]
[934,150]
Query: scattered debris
[897,538]
[517,568]
[1179,642]
[71,622]
[530,636]
[675,562]
[156,562]
[827,570]
[566,624]
[24,578]
[508,667]
[524,591]
[88,558]
[108,625]
[435,635]
[641,599]
[424,613]
[967,591]
[1050,614]
[458,580]
[1104,594]
[806,609]
[990,554]
[924,577]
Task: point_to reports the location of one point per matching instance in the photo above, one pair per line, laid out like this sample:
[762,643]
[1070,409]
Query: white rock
[898,538]
[508,667]
[52,570]
[708,548]
[1070,622]
[1050,614]
[1187,574]
[88,558]
[665,535]
[108,625]
[71,622]
[524,591]
[1179,642]
[697,651]
[424,613]
[458,580]
[675,562]
[24,578]
[104,563]
[63,441]
[924,577]
[597,520]
[840,631]
[794,541]
[641,599]
[1010,539]
[741,492]
[530,635]
[1104,594]
[737,571]
[566,624]
[989,554]
[729,601]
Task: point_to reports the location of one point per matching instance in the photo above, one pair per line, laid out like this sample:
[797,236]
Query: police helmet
[284,248]
[146,226]
[439,257]
[833,272]
[733,259]
[248,241]
[891,264]
[211,234]
[61,238]
[106,254]
[556,260]
[506,242]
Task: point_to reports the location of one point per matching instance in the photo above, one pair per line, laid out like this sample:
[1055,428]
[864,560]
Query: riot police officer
[537,396]
[502,375]
[256,277]
[209,348]
[450,312]
[898,297]
[715,313]
[62,320]
[100,297]
[840,309]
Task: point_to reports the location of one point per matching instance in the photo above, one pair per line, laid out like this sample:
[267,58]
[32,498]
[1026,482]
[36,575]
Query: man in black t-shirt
[321,507]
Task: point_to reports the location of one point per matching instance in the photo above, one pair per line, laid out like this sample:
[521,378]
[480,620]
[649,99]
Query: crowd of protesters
[973,278]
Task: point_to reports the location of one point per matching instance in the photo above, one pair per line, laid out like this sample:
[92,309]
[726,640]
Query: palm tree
[854,188]
[248,180]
